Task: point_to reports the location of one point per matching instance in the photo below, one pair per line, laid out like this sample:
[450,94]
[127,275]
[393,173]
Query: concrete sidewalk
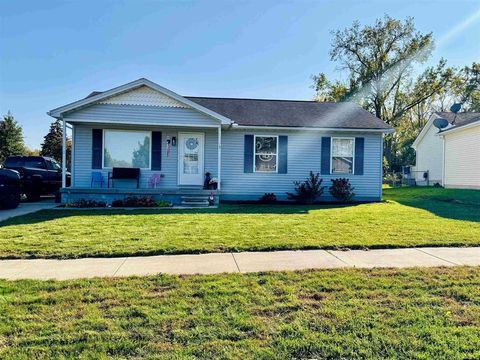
[236,262]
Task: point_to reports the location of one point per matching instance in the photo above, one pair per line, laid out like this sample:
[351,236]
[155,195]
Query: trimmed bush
[342,190]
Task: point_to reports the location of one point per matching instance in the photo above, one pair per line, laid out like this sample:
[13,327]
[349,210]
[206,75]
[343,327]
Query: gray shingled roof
[291,113]
[459,119]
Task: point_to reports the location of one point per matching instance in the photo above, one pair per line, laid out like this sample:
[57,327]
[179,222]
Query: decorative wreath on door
[191,143]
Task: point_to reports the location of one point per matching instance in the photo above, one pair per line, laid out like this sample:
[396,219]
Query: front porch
[172,162]
[177,197]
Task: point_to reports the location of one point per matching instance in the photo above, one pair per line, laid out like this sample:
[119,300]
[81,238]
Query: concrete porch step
[195,203]
[194,198]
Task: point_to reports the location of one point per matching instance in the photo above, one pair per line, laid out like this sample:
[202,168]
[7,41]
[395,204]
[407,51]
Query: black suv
[39,175]
[9,189]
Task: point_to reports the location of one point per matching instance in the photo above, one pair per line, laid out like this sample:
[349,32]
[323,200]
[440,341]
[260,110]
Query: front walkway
[237,262]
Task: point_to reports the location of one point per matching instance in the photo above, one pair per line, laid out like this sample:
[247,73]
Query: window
[34,162]
[342,155]
[266,153]
[122,148]
[53,165]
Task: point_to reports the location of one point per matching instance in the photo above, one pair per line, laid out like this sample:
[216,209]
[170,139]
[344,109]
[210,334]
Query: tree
[52,143]
[469,88]
[380,62]
[31,152]
[11,137]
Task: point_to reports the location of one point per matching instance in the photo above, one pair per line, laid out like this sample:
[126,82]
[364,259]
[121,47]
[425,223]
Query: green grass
[408,217]
[383,313]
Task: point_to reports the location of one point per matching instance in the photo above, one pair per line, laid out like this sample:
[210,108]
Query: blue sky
[55,52]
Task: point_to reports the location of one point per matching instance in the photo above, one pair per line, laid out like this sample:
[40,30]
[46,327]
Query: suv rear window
[28,162]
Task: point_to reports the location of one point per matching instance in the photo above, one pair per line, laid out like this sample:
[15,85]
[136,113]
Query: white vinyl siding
[429,156]
[462,158]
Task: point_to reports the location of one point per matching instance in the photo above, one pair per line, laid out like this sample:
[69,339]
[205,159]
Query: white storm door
[190,158]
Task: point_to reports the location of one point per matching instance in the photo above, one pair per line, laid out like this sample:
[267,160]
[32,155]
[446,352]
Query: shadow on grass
[226,209]
[455,204]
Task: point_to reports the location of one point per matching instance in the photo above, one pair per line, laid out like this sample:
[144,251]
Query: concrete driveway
[27,208]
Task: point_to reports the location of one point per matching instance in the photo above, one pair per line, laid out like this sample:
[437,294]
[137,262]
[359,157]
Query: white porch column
[64,154]
[219,160]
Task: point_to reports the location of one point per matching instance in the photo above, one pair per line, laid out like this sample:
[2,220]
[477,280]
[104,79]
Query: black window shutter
[325,166]
[359,155]
[282,154]
[97,148]
[156,150]
[248,154]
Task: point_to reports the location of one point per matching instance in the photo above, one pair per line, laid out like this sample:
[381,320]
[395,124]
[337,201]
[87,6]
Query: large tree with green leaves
[52,142]
[11,137]
[380,62]
[469,87]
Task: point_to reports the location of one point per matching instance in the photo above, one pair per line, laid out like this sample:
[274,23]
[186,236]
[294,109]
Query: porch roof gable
[117,91]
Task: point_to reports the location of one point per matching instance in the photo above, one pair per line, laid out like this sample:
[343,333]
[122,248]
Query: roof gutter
[455,128]
[382,131]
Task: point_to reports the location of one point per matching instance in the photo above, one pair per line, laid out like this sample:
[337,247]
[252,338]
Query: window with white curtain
[342,155]
[122,148]
[266,153]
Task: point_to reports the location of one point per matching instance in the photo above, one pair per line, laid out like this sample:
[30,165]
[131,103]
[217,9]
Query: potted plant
[213,184]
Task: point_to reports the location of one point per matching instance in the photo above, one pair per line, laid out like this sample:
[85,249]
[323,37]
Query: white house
[451,155]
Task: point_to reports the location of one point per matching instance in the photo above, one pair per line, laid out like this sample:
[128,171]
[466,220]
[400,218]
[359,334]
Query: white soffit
[143,96]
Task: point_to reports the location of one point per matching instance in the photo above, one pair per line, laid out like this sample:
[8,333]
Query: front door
[190,158]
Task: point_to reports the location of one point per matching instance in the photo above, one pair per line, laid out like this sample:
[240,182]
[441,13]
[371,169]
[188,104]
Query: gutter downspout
[64,154]
[72,158]
[381,167]
[443,161]
[219,159]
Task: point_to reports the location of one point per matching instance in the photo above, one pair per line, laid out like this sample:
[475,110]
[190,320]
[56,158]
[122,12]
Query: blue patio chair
[97,178]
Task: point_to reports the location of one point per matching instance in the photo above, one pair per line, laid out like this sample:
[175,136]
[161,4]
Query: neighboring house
[250,146]
[451,156]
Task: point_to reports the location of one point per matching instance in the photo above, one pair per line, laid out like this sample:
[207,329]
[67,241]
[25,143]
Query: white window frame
[124,130]
[353,155]
[255,155]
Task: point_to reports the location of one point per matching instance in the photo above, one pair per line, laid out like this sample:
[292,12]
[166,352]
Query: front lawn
[408,217]
[383,313]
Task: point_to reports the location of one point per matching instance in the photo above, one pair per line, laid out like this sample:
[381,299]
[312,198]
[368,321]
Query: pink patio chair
[154,180]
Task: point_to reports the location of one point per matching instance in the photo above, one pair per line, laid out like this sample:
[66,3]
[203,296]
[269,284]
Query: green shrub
[83,203]
[306,192]
[145,201]
[342,190]
[268,198]
[163,203]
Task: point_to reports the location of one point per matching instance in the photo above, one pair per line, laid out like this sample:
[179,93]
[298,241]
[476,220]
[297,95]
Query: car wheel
[12,201]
